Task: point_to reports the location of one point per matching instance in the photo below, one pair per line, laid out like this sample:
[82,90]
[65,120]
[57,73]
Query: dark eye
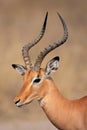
[37,80]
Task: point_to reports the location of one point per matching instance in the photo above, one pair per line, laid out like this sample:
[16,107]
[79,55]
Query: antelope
[65,114]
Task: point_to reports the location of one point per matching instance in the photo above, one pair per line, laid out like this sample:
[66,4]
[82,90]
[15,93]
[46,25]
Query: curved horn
[43,53]
[28,46]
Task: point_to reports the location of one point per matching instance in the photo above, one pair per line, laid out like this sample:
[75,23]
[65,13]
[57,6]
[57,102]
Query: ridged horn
[27,47]
[51,47]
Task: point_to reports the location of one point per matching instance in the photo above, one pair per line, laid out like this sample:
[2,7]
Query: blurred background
[20,23]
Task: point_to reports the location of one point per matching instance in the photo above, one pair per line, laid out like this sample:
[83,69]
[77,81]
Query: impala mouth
[21,105]
[17,103]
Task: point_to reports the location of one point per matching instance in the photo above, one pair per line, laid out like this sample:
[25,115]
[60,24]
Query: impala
[65,114]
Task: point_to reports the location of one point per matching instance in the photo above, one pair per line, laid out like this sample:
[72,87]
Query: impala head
[35,77]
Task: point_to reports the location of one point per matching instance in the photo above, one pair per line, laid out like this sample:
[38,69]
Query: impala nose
[17,101]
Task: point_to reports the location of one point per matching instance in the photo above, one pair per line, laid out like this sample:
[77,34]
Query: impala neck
[53,104]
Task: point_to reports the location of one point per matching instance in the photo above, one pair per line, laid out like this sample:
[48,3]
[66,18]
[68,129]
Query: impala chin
[19,104]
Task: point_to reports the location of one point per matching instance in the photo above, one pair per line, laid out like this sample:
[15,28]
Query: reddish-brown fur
[63,113]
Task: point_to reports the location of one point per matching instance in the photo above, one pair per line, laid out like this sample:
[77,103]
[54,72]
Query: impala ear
[21,69]
[52,66]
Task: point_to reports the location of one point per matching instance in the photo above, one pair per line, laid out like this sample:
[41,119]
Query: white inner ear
[52,66]
[20,69]
[55,66]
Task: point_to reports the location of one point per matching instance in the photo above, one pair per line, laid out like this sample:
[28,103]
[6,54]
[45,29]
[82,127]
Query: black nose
[17,101]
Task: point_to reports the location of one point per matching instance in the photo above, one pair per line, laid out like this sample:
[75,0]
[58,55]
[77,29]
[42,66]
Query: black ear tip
[57,58]
[14,66]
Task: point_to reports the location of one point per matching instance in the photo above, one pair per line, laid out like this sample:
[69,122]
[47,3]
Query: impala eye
[37,80]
